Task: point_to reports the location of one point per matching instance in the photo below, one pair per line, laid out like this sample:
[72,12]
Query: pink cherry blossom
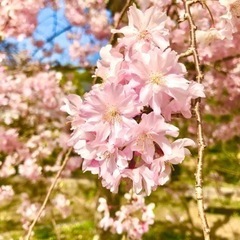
[30,169]
[132,219]
[162,78]
[151,132]
[14,11]
[62,204]
[119,127]
[145,26]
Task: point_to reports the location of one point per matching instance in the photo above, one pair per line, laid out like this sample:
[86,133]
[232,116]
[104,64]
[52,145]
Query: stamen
[144,35]
[112,115]
[142,140]
[157,78]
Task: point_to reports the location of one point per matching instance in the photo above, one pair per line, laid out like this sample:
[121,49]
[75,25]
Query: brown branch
[187,53]
[29,233]
[122,13]
[204,4]
[228,58]
[201,143]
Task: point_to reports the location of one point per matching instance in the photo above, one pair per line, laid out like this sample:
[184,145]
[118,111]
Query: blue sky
[50,24]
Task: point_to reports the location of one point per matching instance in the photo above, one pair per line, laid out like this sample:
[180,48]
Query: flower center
[157,78]
[143,140]
[144,35]
[112,115]
[105,156]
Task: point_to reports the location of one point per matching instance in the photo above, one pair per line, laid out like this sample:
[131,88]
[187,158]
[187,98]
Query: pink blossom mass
[120,128]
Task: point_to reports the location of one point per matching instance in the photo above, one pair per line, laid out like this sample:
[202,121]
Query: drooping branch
[197,108]
[29,233]
[116,25]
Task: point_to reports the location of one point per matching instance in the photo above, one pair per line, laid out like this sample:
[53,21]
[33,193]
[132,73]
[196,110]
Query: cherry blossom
[90,13]
[146,26]
[13,11]
[62,204]
[6,193]
[28,211]
[122,129]
[132,219]
[119,126]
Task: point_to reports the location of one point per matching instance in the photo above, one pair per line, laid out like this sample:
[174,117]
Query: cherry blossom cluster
[18,18]
[62,205]
[81,52]
[21,96]
[33,135]
[132,219]
[219,28]
[120,128]
[220,64]
[212,31]
[29,209]
[88,18]
[31,103]
[90,14]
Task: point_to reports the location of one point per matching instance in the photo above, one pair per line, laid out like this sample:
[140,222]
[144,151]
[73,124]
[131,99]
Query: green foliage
[81,79]
[83,230]
[44,232]
[224,159]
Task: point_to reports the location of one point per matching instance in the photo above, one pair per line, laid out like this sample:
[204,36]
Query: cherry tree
[159,60]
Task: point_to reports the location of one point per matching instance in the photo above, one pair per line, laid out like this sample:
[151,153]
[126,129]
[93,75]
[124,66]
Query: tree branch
[51,38]
[116,25]
[29,233]
[201,143]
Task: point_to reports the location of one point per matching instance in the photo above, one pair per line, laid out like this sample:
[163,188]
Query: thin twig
[51,38]
[204,4]
[189,52]
[228,58]
[201,143]
[122,13]
[29,233]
